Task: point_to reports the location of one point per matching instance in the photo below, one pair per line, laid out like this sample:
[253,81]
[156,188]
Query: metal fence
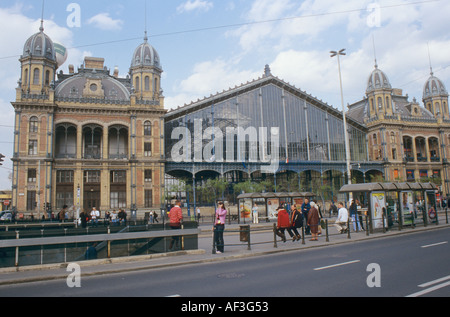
[82,245]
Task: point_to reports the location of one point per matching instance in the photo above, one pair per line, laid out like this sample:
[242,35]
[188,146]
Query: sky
[207,46]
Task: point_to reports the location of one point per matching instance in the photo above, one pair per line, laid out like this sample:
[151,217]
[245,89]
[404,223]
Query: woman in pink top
[219,226]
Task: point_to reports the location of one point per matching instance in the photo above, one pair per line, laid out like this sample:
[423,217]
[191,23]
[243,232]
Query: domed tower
[379,93]
[145,72]
[38,64]
[435,97]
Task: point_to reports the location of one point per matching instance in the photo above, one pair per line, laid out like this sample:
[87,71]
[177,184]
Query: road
[416,264]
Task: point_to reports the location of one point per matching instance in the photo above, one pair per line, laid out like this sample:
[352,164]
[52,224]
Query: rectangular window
[64,177]
[118,199]
[148,198]
[410,175]
[148,149]
[31,175]
[64,198]
[31,200]
[423,174]
[148,176]
[118,177]
[32,147]
[92,176]
[396,175]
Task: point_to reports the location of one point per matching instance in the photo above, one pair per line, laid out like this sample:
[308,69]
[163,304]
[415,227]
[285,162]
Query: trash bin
[244,233]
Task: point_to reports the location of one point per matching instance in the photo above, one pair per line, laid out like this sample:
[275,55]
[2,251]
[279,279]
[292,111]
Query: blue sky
[207,46]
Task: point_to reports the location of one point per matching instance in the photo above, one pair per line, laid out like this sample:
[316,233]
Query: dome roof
[145,55]
[39,45]
[378,80]
[75,86]
[434,87]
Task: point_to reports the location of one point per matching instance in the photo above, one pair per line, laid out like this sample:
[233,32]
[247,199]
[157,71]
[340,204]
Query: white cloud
[192,5]
[24,27]
[104,22]
[209,77]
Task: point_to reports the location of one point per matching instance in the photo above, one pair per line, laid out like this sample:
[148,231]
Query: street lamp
[347,148]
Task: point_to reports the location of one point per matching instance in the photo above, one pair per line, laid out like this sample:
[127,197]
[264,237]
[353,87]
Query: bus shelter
[265,204]
[402,203]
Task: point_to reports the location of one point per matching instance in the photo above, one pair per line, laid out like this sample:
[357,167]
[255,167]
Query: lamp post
[347,148]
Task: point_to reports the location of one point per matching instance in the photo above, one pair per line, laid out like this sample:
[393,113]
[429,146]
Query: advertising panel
[378,204]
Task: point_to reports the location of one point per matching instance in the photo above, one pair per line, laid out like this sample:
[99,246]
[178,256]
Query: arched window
[147,128]
[25,79]
[34,124]
[136,84]
[155,85]
[147,83]
[392,137]
[47,77]
[36,76]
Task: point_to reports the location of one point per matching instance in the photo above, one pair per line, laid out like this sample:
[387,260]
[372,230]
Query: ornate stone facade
[87,138]
[412,141]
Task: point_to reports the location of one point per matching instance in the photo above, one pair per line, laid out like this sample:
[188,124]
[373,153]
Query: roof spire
[145,22]
[41,28]
[429,59]
[374,51]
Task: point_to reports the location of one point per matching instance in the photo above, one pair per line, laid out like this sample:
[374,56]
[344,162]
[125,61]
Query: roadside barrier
[364,224]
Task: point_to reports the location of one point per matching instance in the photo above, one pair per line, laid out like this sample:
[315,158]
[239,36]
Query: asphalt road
[415,264]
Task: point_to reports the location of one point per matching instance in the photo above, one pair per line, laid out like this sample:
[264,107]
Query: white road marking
[435,281]
[434,244]
[429,290]
[335,265]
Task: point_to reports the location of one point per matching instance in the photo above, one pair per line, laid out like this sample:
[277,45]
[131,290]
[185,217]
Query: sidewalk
[262,242]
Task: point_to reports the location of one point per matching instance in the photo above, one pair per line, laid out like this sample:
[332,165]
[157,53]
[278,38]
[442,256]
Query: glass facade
[308,130]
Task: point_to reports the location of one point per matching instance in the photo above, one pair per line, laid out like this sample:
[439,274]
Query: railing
[402,222]
[63,249]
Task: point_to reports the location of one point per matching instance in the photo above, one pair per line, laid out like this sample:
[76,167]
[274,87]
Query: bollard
[109,245]
[367,226]
[348,228]
[326,230]
[446,216]
[275,235]
[16,262]
[303,235]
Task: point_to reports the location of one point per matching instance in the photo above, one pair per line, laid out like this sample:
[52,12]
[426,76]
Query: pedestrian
[114,218]
[255,213]
[107,218]
[354,215]
[175,218]
[94,216]
[198,214]
[122,217]
[283,223]
[91,252]
[342,218]
[313,221]
[296,222]
[62,214]
[84,217]
[219,226]
[333,209]
[360,214]
[306,206]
